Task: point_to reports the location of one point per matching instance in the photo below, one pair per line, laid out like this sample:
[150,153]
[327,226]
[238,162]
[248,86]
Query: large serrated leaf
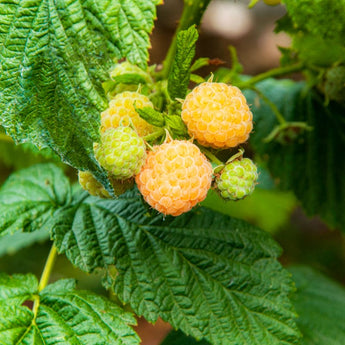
[63,315]
[29,197]
[205,273]
[320,303]
[54,56]
[312,165]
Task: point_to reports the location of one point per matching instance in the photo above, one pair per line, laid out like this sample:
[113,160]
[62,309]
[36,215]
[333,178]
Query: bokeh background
[305,240]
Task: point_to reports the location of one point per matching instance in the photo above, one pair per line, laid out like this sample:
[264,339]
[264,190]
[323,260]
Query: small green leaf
[199,63]
[64,315]
[185,50]
[29,197]
[151,116]
[176,125]
[312,165]
[203,272]
[320,303]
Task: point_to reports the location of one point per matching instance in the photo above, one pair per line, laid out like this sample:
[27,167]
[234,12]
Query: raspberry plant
[76,83]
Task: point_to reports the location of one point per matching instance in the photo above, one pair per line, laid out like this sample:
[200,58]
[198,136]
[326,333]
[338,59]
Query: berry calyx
[175,177]
[237,180]
[121,111]
[217,115]
[121,152]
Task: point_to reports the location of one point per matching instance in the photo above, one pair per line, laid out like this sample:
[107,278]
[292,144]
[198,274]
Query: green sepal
[176,125]
[152,116]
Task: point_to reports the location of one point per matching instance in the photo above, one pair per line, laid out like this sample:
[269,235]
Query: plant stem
[44,279]
[276,72]
[154,135]
[192,13]
[210,155]
[280,118]
[47,268]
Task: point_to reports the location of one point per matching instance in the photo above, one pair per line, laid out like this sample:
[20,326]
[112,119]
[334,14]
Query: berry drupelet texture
[217,115]
[175,177]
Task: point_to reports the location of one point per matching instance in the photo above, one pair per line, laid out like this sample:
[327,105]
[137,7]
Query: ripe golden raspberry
[89,183]
[121,111]
[175,177]
[217,115]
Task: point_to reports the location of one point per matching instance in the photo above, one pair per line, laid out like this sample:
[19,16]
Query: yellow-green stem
[275,72]
[44,279]
[210,155]
[47,268]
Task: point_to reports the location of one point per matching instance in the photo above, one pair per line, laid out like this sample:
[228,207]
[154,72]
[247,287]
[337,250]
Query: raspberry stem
[277,113]
[276,72]
[210,155]
[44,278]
[154,135]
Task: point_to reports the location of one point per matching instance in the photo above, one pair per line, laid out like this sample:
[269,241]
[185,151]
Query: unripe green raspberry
[95,188]
[121,152]
[237,179]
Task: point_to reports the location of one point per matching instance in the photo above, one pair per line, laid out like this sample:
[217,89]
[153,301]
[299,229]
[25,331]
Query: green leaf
[268,209]
[63,316]
[176,125]
[320,303]
[205,273]
[151,116]
[199,63]
[23,155]
[178,338]
[323,18]
[53,60]
[180,74]
[317,30]
[29,197]
[312,165]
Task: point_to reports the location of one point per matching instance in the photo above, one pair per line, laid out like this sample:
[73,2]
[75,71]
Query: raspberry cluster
[175,175]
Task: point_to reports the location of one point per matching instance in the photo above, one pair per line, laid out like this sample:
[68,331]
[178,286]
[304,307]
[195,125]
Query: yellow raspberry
[89,183]
[217,115]
[175,177]
[121,111]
